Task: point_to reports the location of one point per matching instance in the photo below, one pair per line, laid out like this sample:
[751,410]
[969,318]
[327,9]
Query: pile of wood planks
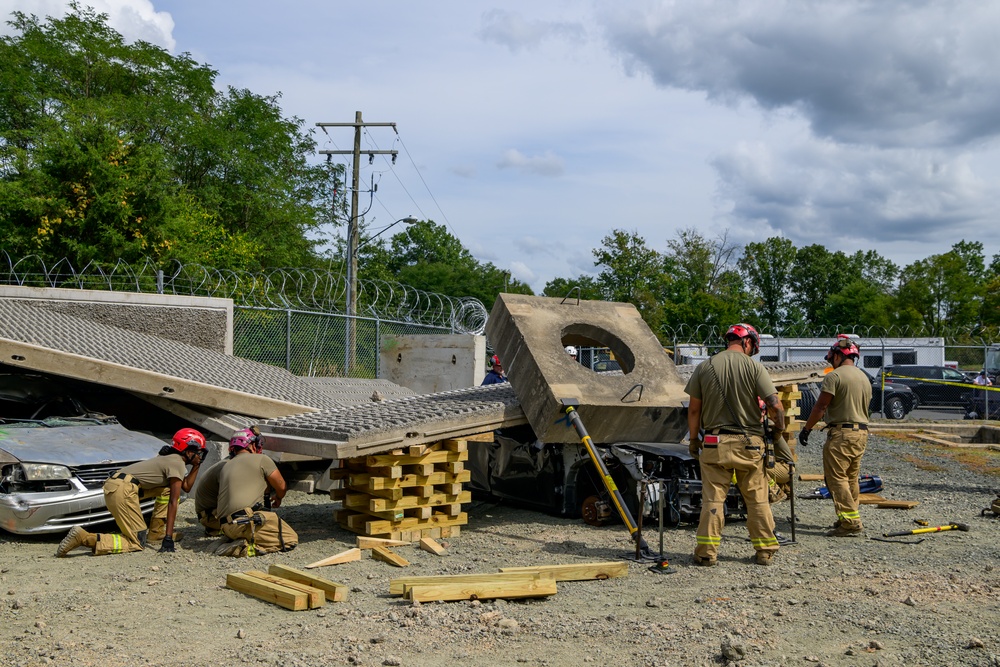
[287,587]
[789,396]
[406,494]
[510,583]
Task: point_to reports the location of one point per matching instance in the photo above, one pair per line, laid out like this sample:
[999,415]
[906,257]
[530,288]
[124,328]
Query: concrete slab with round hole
[530,333]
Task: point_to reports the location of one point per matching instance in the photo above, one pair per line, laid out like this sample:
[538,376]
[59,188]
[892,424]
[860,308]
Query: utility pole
[350,344]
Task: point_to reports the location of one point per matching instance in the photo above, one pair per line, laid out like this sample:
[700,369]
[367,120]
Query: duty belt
[244,512]
[126,477]
[850,426]
[725,431]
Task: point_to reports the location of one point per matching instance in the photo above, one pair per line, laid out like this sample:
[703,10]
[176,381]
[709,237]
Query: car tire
[894,408]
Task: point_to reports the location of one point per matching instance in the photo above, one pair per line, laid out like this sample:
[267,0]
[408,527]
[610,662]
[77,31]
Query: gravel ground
[826,601]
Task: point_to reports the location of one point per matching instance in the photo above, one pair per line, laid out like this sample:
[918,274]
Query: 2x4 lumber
[809,477]
[429,545]
[870,499]
[577,571]
[440,456]
[343,557]
[376,482]
[461,445]
[532,588]
[417,450]
[897,505]
[382,504]
[398,586]
[283,596]
[386,555]
[316,597]
[486,436]
[411,523]
[371,542]
[333,591]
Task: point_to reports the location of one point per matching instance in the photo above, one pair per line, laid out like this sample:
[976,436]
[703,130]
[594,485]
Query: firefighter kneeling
[242,483]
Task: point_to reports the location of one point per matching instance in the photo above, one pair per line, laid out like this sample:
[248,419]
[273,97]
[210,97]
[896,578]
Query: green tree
[816,274]
[561,287]
[943,290]
[703,288]
[768,266]
[632,272]
[115,150]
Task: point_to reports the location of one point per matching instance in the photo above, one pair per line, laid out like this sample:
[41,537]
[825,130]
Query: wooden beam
[897,505]
[283,596]
[316,597]
[382,504]
[577,571]
[811,478]
[478,437]
[428,544]
[398,586]
[343,557]
[385,555]
[870,499]
[334,592]
[441,456]
[530,588]
[372,542]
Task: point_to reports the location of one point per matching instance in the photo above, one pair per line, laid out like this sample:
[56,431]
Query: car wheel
[595,511]
[894,408]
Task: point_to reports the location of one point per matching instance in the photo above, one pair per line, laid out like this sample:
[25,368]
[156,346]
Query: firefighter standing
[727,437]
[844,396]
[242,483]
[162,476]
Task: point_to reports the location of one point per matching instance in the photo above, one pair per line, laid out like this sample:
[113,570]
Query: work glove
[804,436]
[782,451]
[168,545]
[694,449]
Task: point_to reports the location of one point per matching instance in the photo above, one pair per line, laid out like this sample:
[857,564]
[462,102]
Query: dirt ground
[826,601]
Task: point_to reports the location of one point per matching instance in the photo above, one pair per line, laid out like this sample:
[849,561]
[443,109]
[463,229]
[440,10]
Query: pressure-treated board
[870,499]
[577,571]
[343,557]
[334,592]
[386,555]
[316,597]
[283,596]
[428,544]
[897,504]
[530,588]
[811,478]
[369,542]
[398,586]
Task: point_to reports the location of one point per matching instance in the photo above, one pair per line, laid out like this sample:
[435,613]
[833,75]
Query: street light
[352,283]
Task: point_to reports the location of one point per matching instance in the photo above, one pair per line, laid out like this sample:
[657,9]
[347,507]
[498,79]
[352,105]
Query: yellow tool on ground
[936,529]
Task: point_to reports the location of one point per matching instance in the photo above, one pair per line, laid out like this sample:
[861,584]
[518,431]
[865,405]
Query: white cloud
[134,19]
[512,30]
[546,164]
[522,272]
[882,73]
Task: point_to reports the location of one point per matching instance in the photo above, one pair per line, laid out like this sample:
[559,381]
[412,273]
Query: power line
[433,198]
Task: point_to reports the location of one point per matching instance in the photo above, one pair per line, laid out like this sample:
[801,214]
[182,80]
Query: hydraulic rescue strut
[569,405]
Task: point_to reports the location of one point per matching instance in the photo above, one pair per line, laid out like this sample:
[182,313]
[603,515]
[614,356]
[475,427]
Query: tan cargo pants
[122,499]
[841,466]
[719,463]
[274,535]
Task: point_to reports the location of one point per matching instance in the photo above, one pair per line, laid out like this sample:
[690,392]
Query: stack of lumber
[287,587]
[406,494]
[789,396]
[510,583]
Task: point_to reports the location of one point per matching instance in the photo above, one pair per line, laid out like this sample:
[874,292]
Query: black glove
[804,436]
[694,447]
[168,545]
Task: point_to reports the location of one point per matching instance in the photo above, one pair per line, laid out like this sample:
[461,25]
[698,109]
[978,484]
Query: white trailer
[875,352]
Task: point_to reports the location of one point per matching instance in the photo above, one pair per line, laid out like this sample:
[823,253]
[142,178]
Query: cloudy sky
[532,129]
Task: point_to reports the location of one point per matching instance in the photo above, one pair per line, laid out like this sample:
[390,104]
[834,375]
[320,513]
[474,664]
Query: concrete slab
[644,403]
[432,363]
[43,340]
[356,391]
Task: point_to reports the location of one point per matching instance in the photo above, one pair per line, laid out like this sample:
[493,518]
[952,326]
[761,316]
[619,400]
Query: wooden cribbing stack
[287,587]
[406,494]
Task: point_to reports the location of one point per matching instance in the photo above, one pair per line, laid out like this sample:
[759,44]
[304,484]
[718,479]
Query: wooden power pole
[350,346]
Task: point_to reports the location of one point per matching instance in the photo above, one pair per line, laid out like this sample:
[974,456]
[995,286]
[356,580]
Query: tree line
[777,287]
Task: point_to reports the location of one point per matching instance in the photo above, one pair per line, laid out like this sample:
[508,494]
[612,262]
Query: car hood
[75,445]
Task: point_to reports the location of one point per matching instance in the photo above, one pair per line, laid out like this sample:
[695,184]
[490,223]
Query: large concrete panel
[432,363]
[644,403]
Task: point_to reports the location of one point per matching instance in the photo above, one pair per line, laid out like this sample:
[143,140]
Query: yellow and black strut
[569,406]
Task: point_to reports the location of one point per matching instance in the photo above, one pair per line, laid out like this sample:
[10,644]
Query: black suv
[899,399]
[933,385]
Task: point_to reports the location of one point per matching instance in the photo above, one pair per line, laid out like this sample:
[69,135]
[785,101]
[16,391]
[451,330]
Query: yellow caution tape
[965,385]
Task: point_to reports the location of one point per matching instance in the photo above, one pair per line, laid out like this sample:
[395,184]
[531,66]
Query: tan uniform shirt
[852,393]
[242,482]
[156,472]
[742,379]
[206,496]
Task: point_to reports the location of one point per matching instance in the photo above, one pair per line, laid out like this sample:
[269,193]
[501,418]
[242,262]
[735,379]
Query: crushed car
[55,456]
[562,480]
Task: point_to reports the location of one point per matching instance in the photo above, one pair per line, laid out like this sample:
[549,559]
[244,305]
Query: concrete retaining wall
[202,321]
[429,364]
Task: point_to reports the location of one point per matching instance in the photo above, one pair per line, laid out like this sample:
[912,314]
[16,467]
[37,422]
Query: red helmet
[745,331]
[188,438]
[846,346]
[495,360]
[242,439]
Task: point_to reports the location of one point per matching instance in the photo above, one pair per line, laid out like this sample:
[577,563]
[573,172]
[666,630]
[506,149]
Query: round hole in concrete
[587,335]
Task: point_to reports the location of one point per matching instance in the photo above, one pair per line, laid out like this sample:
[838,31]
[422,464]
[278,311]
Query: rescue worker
[242,483]
[162,476]
[727,438]
[495,374]
[206,499]
[844,396]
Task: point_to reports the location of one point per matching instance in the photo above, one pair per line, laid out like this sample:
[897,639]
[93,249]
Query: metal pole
[378,351]
[660,505]
[288,340]
[352,247]
[159,282]
[882,375]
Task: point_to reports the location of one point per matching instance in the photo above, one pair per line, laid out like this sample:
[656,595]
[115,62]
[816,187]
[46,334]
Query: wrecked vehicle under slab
[52,471]
[561,479]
